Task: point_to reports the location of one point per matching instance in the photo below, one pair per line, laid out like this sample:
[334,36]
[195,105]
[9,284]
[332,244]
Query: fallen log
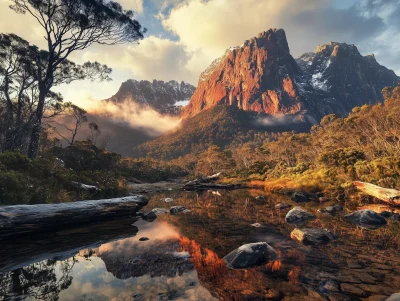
[390,196]
[23,219]
[208,186]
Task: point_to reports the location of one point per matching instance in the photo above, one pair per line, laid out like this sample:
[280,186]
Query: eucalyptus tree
[20,68]
[70,26]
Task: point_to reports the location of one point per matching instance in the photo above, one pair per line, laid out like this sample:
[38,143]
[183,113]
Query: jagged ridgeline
[163,97]
[262,76]
[264,89]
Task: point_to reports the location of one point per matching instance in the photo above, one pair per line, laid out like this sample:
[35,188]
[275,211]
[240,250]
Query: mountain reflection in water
[182,260]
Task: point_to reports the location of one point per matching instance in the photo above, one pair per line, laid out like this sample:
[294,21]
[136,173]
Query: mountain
[219,125]
[163,97]
[262,76]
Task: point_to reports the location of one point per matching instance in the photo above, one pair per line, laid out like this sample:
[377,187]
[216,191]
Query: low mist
[126,124]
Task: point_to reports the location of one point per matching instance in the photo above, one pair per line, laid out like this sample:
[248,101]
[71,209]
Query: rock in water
[149,217]
[309,236]
[177,209]
[251,255]
[298,216]
[300,197]
[366,219]
[160,211]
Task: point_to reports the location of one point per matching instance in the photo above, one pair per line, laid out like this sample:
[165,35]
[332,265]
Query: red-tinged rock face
[258,76]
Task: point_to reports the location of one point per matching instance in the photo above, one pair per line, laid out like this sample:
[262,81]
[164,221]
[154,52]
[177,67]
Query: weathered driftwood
[207,186]
[204,183]
[17,220]
[63,244]
[390,196]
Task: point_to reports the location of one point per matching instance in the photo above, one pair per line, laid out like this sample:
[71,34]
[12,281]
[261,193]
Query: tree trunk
[390,196]
[37,126]
[26,219]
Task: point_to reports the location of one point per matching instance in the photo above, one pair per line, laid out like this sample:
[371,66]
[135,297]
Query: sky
[185,36]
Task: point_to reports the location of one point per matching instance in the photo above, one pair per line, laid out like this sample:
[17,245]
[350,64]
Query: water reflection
[182,260]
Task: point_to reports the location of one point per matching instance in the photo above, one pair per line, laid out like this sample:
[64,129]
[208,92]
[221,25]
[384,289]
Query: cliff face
[262,76]
[164,97]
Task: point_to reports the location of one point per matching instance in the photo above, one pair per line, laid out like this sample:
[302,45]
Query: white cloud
[135,5]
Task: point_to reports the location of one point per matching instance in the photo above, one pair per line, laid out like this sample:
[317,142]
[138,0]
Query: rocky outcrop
[250,255]
[262,76]
[257,76]
[164,97]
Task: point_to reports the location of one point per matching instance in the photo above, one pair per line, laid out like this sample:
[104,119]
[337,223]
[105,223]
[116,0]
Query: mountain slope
[220,125]
[163,97]
[262,76]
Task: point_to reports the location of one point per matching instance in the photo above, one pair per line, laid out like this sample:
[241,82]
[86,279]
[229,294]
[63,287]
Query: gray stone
[177,209]
[366,219]
[160,211]
[300,197]
[309,236]
[298,216]
[251,255]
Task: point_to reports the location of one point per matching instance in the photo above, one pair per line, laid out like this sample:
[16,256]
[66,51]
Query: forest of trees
[28,74]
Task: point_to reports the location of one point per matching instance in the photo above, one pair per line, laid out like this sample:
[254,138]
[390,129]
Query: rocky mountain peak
[256,76]
[164,97]
[262,76]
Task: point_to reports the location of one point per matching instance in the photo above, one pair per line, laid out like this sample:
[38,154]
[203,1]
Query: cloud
[135,5]
[207,28]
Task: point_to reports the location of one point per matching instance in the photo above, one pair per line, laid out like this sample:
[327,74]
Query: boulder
[300,197]
[298,216]
[281,206]
[251,255]
[143,239]
[366,219]
[256,225]
[309,236]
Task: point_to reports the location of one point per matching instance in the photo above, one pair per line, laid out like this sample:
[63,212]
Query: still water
[179,257]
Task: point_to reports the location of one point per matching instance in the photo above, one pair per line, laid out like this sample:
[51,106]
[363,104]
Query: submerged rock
[144,239]
[298,216]
[149,217]
[251,255]
[309,236]
[160,211]
[300,197]
[260,198]
[281,206]
[366,219]
[331,209]
[177,209]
